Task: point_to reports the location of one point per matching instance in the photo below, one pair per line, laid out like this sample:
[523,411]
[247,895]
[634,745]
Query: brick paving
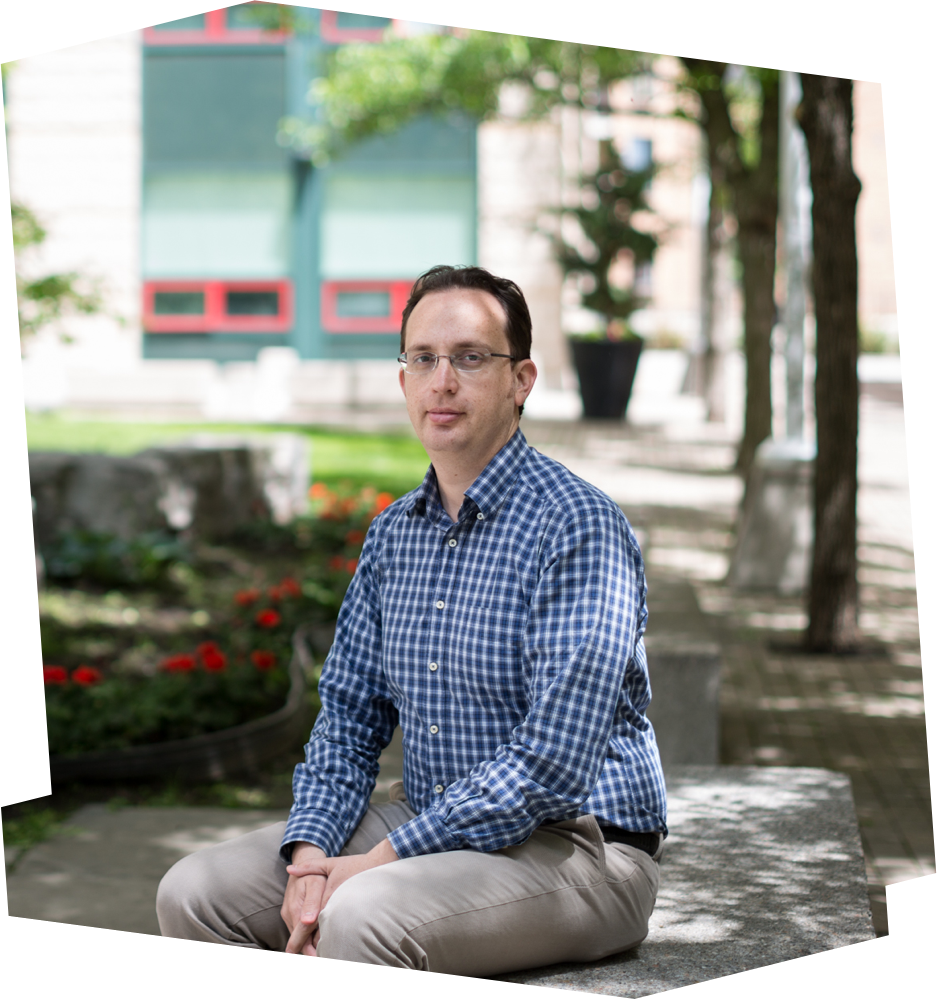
[861,714]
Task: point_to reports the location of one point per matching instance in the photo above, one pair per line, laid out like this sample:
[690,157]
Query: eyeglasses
[423,362]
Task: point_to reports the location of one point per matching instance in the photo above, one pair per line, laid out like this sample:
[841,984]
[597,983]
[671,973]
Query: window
[638,154]
[338,26]
[227,26]
[363,306]
[217,306]
[643,280]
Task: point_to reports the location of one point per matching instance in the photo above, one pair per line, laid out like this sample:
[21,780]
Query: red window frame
[215,319]
[215,32]
[329,30]
[399,291]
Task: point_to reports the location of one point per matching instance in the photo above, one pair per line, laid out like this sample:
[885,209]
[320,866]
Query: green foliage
[279,17]
[369,89]
[126,710]
[109,561]
[876,342]
[25,826]
[616,194]
[41,301]
[115,679]
[30,826]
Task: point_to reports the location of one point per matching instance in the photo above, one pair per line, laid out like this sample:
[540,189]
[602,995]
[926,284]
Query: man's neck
[456,471]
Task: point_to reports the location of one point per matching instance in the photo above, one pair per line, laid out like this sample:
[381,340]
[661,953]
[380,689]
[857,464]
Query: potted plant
[606,359]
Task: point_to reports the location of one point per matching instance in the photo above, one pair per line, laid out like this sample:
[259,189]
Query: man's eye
[422,360]
[472,357]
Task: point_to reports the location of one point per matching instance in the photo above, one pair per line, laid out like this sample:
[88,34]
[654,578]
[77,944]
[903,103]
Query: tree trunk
[826,119]
[712,388]
[756,200]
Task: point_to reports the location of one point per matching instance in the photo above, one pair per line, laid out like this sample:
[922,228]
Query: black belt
[648,842]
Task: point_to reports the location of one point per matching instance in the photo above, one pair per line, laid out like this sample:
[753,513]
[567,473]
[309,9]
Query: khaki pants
[564,895]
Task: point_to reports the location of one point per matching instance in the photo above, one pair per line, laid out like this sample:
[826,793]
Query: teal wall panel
[223,347]
[220,106]
[379,226]
[216,224]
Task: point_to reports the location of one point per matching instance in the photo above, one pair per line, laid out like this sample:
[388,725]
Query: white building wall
[73,120]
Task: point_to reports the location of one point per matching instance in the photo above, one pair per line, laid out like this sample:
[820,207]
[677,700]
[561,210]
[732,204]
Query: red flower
[213,659]
[351,565]
[318,490]
[244,598]
[382,501]
[336,562]
[54,675]
[354,537]
[183,663]
[263,660]
[86,676]
[289,586]
[268,618]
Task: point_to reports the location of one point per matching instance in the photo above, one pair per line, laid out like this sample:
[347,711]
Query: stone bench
[762,865]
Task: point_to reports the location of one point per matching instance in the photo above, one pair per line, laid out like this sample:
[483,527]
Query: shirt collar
[491,487]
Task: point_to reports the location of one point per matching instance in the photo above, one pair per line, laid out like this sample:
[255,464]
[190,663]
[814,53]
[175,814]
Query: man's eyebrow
[460,345]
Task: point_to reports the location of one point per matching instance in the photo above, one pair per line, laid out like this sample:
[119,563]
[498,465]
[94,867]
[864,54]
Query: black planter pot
[216,756]
[606,371]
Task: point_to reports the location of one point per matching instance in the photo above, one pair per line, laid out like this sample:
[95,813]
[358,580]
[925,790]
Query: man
[497,615]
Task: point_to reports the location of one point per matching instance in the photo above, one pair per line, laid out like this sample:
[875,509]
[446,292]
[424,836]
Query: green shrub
[106,560]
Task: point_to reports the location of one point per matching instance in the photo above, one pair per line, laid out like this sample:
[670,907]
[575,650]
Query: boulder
[211,485]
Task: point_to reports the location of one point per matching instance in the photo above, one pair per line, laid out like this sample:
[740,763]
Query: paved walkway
[862,715]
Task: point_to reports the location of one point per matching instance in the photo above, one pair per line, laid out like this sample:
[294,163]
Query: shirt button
[440,604]
[438,788]
[479,516]
[434,729]
[434,667]
[452,542]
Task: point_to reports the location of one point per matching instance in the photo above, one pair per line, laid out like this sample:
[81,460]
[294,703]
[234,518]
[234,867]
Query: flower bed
[158,673]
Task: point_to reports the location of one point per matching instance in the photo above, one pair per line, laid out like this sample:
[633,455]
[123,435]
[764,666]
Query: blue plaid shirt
[509,647]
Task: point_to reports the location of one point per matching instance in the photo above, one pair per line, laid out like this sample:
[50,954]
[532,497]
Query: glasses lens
[471,360]
[419,363]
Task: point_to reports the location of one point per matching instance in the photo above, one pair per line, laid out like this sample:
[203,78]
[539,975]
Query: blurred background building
[239,282]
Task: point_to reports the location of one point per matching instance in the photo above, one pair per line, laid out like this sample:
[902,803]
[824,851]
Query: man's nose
[444,374]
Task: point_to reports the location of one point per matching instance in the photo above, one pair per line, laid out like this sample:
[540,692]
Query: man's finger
[322,867]
[300,938]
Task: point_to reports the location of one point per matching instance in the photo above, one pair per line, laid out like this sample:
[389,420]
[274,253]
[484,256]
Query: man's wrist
[306,851]
[383,853]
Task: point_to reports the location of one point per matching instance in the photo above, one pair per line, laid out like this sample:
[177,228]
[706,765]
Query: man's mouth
[443,416]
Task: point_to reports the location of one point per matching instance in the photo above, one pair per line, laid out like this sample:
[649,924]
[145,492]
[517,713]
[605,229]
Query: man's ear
[525,374]
[403,382]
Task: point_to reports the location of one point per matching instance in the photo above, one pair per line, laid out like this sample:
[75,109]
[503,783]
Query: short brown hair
[442,277]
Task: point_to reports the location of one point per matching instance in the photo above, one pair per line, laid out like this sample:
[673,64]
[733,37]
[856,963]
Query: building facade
[240,282]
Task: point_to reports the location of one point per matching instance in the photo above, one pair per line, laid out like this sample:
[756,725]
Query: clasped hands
[314,878]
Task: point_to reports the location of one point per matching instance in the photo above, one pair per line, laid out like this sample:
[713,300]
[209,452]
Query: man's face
[454,411]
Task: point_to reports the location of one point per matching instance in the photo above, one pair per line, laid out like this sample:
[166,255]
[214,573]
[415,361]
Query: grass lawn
[392,462]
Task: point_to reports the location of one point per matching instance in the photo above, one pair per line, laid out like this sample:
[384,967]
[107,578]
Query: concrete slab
[762,865]
[104,866]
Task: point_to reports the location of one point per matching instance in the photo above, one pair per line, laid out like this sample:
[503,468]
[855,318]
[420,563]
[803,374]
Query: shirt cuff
[312,825]
[427,833]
